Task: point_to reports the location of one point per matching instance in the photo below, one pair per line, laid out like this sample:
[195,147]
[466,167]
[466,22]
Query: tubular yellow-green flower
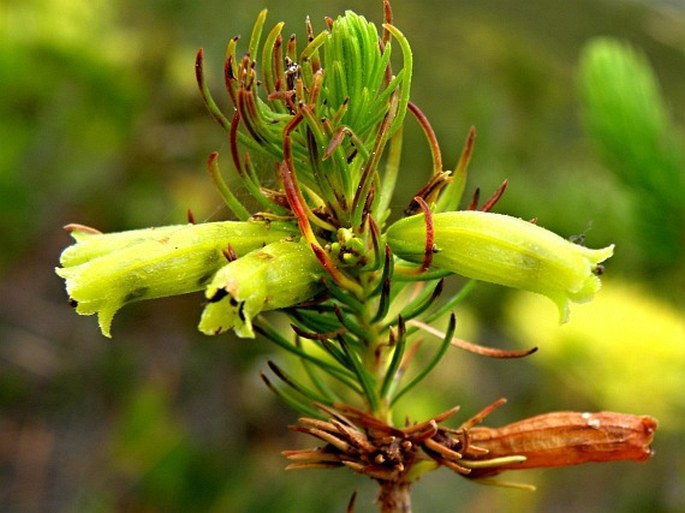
[279,275]
[505,250]
[103,272]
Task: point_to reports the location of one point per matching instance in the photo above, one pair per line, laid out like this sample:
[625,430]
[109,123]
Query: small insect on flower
[566,438]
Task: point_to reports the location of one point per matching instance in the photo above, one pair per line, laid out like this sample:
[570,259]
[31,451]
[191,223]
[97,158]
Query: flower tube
[505,250]
[103,272]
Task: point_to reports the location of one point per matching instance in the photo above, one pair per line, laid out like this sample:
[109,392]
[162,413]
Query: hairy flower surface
[505,250]
[103,272]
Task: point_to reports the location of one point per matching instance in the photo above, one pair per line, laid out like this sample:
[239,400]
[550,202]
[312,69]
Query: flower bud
[355,72]
[103,272]
[278,275]
[505,250]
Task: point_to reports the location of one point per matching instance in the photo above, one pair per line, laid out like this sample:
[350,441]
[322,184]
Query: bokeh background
[101,123]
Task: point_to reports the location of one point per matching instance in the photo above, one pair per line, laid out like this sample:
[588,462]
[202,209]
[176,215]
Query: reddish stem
[492,200]
[430,135]
[430,233]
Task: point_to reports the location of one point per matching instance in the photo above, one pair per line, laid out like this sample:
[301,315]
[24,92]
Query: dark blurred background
[101,124]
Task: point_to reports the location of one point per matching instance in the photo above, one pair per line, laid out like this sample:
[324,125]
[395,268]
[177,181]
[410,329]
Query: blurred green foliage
[101,123]
[67,109]
[634,132]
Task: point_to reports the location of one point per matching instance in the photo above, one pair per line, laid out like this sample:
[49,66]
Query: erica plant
[323,120]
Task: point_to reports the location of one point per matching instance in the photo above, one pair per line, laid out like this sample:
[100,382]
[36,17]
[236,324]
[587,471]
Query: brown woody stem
[394,497]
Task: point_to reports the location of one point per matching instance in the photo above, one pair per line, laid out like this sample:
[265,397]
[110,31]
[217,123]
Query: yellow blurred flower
[626,351]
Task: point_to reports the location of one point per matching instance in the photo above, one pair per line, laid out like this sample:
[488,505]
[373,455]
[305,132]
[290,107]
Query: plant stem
[394,497]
